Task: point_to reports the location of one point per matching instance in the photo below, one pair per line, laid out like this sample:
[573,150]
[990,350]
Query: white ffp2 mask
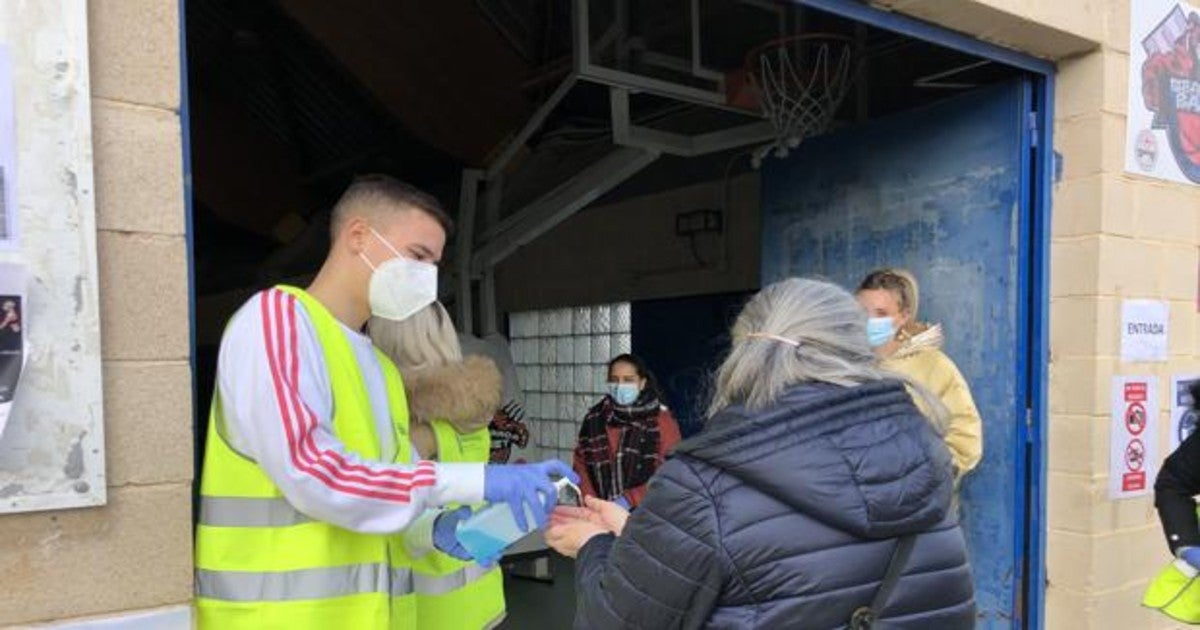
[400,286]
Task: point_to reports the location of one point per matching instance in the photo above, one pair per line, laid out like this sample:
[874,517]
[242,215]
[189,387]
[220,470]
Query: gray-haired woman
[815,474]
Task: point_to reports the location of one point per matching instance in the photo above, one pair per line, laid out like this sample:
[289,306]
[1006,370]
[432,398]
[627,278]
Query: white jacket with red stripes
[278,405]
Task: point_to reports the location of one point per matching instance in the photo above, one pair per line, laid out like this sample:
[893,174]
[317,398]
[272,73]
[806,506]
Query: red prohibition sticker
[1135,455]
[1135,418]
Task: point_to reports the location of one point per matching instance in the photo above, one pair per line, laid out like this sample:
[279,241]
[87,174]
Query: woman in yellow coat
[913,348]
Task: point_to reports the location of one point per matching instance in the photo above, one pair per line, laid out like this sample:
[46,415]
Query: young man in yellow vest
[308,469]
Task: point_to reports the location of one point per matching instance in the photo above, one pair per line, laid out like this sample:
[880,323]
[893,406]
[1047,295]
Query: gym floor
[537,605]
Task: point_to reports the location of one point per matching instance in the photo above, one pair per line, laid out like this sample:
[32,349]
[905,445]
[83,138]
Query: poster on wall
[51,374]
[1162,134]
[8,153]
[12,336]
[1134,436]
[1183,412]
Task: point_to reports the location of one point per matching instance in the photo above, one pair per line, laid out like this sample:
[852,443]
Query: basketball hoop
[801,81]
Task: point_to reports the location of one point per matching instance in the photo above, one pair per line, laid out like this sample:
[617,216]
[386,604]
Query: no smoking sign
[1135,418]
[1135,455]
[1134,407]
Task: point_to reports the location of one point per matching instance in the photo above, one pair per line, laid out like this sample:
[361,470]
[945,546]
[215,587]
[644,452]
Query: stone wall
[135,552]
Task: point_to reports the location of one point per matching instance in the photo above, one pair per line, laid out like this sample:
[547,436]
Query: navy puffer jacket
[787,519]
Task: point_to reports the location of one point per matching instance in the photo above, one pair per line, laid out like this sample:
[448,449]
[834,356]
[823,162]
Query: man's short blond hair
[374,195]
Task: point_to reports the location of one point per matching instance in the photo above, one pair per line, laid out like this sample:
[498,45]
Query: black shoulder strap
[864,618]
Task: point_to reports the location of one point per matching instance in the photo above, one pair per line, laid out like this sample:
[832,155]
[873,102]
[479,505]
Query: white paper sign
[1164,91]
[1134,436]
[1144,330]
[1183,415]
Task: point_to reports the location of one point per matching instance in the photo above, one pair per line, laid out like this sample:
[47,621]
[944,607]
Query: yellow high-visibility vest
[260,563]
[1174,593]
[452,594]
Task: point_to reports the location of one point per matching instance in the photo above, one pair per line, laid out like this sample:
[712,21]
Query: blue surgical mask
[880,330]
[624,393]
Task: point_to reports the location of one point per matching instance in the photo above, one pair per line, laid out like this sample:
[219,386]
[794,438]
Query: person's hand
[612,516]
[568,536]
[567,513]
[1190,555]
[605,514]
[521,485]
[444,527]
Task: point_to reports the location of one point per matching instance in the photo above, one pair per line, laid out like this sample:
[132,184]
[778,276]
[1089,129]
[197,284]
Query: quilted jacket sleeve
[665,570]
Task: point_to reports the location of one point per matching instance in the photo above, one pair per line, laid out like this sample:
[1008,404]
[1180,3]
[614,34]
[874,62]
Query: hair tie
[763,335]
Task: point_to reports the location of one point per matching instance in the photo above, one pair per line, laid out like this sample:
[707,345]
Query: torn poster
[8,153]
[13,351]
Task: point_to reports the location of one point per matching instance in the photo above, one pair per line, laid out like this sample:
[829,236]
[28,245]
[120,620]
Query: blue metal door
[942,191]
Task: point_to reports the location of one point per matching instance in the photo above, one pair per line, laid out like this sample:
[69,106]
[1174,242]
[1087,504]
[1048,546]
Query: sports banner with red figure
[1162,133]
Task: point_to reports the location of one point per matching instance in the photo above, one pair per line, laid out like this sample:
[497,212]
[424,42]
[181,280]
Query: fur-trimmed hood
[464,394]
[920,338]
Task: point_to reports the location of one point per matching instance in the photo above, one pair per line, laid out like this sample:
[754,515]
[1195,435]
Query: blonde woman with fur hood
[913,348]
[440,383]
[451,401]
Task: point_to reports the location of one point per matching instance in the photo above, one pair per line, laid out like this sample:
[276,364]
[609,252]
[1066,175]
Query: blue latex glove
[444,527]
[623,502]
[520,485]
[1190,555]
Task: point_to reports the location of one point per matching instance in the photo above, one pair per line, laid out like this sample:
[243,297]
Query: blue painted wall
[938,191]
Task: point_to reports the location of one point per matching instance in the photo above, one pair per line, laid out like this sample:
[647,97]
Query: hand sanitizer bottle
[488,532]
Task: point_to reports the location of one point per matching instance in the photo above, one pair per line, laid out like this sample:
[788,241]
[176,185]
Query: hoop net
[801,80]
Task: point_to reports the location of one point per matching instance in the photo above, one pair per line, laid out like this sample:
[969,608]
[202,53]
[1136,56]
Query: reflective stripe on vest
[249,512]
[325,582]
[424,584]
[277,586]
